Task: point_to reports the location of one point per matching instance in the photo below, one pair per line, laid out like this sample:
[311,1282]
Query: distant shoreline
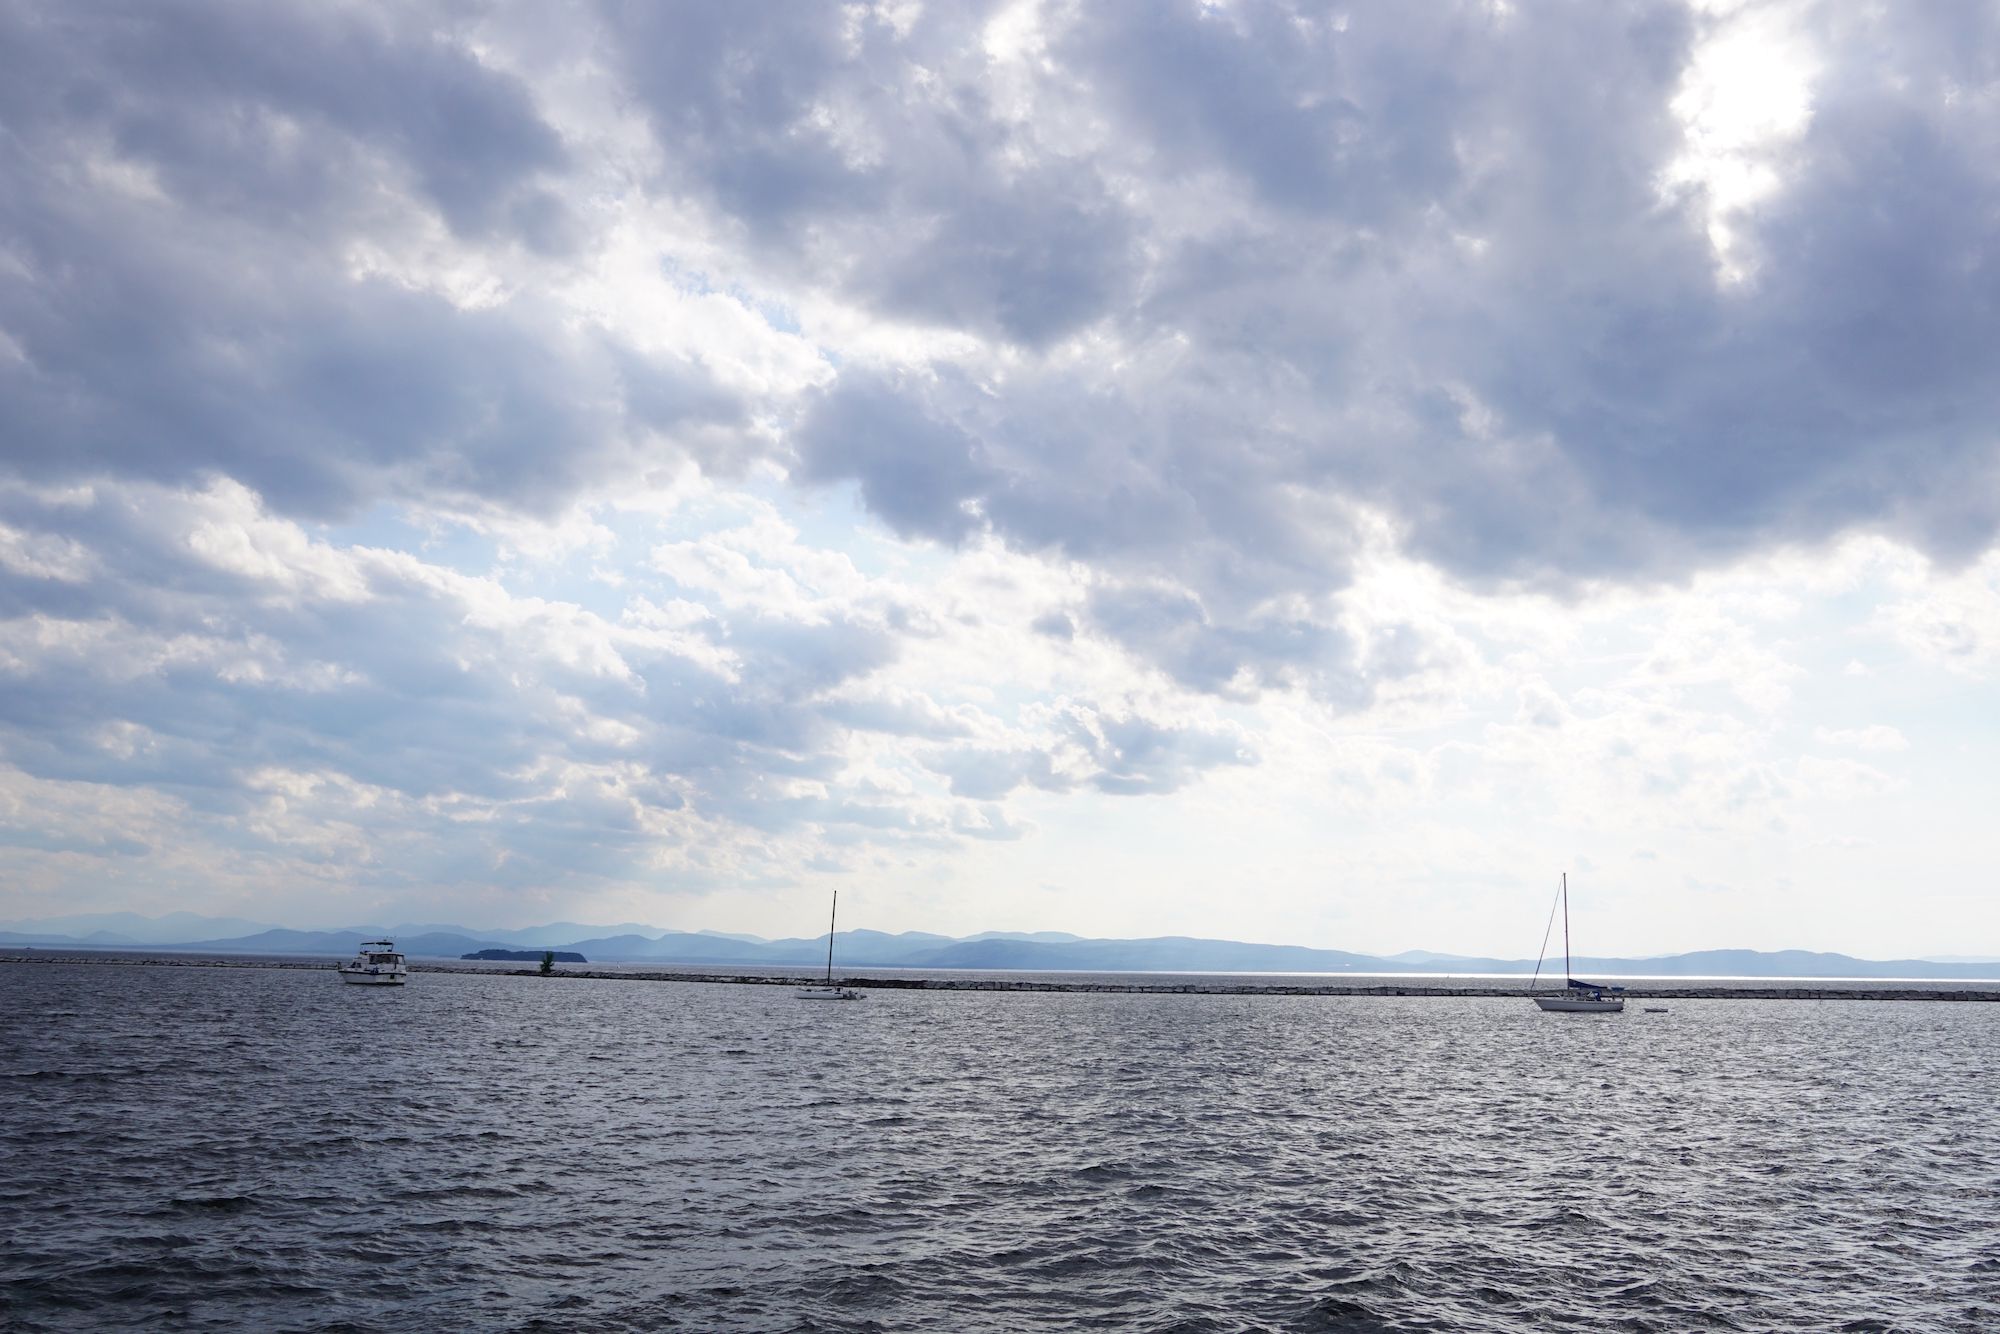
[631,945]
[1100,983]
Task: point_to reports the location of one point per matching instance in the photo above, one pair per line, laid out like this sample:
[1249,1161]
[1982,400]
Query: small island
[527,956]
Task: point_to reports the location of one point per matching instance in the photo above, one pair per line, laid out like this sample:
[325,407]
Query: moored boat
[1577,997]
[827,990]
[1589,998]
[376,964]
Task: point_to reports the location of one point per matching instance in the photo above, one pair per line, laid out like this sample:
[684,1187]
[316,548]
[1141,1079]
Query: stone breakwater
[1840,989]
[1857,992]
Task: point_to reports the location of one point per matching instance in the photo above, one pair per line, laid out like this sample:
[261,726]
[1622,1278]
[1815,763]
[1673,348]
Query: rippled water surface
[243,1148]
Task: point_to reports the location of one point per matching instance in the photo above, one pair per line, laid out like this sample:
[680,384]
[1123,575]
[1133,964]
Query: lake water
[246,1148]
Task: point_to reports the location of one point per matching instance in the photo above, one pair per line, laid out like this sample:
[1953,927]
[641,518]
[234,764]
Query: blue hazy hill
[1040,951]
[1171,954]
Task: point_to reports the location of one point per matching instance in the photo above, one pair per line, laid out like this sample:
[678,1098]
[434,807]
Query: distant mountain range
[1037,951]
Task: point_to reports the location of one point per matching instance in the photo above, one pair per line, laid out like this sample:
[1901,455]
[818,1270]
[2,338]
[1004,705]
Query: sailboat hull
[1575,1005]
[828,993]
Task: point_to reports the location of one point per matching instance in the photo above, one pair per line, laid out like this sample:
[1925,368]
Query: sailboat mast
[1566,971]
[835,914]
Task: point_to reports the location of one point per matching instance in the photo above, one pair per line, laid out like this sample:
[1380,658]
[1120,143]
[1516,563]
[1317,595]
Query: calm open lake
[191,1147]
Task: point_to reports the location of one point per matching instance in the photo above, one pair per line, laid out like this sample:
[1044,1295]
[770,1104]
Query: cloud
[696,444]
[873,155]
[1114,750]
[193,192]
[1875,738]
[1450,294]
[1952,621]
[1136,755]
[1209,280]
[1169,626]
[287,114]
[916,473]
[363,711]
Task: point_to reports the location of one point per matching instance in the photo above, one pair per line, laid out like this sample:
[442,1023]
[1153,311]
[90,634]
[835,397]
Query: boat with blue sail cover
[1577,996]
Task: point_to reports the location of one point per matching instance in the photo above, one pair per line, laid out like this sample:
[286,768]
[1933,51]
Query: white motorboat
[1577,997]
[828,991]
[376,964]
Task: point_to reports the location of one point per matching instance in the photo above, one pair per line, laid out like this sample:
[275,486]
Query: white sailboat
[1577,997]
[829,991]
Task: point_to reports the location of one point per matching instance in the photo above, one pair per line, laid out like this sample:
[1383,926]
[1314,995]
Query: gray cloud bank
[1203,287]
[1420,257]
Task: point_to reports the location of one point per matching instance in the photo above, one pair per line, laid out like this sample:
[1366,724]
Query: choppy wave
[235,1148]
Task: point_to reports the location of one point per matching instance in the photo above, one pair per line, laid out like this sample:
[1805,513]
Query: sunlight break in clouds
[1129,468]
[1745,100]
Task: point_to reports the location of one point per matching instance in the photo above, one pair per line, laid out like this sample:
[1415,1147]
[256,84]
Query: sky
[1310,473]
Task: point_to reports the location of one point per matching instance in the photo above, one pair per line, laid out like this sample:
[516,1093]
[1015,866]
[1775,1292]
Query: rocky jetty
[1846,990]
[1856,990]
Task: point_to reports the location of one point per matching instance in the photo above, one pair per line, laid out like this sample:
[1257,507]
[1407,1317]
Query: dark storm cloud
[185,186]
[854,152]
[168,360]
[916,472]
[1454,282]
[1417,257]
[321,395]
[731,89]
[1311,115]
[280,113]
